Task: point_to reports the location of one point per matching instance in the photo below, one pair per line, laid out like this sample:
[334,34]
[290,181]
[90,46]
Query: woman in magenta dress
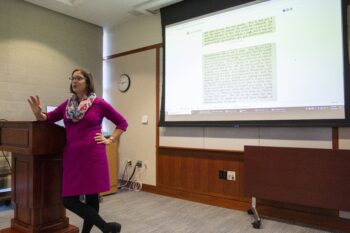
[85,165]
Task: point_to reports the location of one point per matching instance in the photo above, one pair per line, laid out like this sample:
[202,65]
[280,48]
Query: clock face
[124,82]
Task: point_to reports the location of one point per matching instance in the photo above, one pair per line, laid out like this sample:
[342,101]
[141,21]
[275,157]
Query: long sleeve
[111,114]
[58,113]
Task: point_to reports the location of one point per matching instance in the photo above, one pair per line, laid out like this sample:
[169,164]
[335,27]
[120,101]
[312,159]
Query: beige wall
[39,49]
[137,33]
[139,142]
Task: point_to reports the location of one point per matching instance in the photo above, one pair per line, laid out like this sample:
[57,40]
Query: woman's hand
[35,105]
[100,139]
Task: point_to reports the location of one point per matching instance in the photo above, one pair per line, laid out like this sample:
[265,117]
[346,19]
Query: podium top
[31,137]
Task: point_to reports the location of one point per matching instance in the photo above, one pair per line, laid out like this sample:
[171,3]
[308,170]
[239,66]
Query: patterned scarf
[75,111]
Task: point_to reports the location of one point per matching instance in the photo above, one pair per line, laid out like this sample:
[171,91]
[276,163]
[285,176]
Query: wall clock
[124,83]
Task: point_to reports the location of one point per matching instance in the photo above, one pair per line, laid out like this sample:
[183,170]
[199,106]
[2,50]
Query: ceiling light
[71,2]
[153,6]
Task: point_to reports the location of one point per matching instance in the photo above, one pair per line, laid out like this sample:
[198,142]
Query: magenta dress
[85,165]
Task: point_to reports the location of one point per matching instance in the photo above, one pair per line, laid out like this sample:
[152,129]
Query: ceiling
[105,13]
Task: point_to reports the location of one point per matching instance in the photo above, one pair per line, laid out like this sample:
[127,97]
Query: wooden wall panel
[198,170]
[311,177]
[192,174]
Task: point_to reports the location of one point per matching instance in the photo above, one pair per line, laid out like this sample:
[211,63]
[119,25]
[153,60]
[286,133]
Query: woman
[85,165]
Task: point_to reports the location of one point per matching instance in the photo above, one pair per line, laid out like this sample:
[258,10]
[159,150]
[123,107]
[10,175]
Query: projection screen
[276,60]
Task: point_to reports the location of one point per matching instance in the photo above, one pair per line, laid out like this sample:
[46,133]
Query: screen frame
[182,11]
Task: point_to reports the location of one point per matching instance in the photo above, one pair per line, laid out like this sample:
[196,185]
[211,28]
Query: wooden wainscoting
[193,174]
[198,171]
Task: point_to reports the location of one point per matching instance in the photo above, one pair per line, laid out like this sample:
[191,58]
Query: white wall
[39,49]
[237,138]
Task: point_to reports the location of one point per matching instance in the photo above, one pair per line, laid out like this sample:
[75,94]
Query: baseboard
[264,208]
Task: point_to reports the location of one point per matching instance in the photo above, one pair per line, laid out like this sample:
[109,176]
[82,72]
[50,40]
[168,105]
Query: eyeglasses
[78,78]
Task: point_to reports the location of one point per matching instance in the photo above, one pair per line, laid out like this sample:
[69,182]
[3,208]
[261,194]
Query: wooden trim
[265,209]
[200,149]
[155,46]
[157,107]
[231,203]
[335,138]
[149,188]
[297,217]
[223,154]
[157,94]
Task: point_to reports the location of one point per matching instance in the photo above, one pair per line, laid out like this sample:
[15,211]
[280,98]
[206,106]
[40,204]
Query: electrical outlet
[231,175]
[139,163]
[222,174]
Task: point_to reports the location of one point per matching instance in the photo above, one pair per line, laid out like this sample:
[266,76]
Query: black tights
[88,211]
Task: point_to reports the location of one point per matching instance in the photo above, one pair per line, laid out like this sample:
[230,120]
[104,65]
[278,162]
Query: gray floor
[149,213]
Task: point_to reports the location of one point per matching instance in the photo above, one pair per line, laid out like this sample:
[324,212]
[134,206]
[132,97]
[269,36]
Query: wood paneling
[113,165]
[198,170]
[335,138]
[217,200]
[310,177]
[15,137]
[192,174]
[18,137]
[30,191]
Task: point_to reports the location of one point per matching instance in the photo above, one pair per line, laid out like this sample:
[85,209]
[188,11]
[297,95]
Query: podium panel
[112,156]
[36,177]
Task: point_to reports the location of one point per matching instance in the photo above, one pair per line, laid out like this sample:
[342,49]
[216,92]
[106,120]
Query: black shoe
[114,227]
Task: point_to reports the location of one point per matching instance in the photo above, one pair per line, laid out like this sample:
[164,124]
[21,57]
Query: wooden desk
[113,164]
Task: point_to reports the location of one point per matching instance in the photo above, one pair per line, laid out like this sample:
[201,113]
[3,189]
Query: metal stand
[252,211]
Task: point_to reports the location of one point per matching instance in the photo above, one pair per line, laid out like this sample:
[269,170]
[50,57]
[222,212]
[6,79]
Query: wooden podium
[36,177]
[112,156]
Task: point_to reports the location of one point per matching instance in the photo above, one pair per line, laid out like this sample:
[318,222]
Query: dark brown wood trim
[335,138]
[157,94]
[316,220]
[149,188]
[201,153]
[265,209]
[231,203]
[201,149]
[157,107]
[155,46]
